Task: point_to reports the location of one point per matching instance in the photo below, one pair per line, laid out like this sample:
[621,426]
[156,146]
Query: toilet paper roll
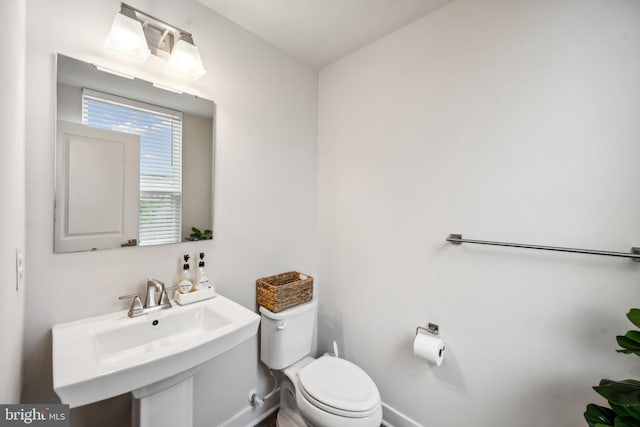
[429,347]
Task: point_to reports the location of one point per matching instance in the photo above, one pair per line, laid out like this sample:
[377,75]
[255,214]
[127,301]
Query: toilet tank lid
[289,312]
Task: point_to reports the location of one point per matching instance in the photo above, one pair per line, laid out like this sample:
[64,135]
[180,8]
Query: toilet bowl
[323,392]
[335,392]
[288,414]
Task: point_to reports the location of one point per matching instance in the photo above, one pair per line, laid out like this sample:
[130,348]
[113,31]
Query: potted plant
[623,396]
[196,234]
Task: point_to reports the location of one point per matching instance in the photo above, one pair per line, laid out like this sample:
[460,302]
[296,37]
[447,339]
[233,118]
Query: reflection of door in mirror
[97,191]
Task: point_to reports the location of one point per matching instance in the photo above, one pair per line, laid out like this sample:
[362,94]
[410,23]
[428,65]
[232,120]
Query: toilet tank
[286,336]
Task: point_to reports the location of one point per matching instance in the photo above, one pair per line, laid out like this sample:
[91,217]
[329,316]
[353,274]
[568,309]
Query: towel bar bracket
[455,239]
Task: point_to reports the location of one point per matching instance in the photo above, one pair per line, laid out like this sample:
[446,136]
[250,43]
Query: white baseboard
[264,416]
[249,416]
[246,417]
[394,418]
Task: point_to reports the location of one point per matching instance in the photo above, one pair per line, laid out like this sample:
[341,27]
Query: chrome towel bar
[634,255]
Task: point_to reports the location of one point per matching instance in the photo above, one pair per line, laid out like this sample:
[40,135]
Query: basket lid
[290,312]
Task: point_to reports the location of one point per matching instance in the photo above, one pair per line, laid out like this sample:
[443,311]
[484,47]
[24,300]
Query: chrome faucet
[152,301]
[154,286]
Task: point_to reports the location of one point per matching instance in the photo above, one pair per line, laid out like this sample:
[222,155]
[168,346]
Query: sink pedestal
[167,403]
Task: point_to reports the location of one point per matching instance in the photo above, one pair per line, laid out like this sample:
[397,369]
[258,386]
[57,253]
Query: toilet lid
[339,384]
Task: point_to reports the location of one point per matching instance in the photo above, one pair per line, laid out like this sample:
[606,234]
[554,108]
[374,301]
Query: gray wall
[197,152]
[12,194]
[501,120]
[265,162]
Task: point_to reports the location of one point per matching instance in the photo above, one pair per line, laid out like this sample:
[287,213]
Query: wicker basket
[275,293]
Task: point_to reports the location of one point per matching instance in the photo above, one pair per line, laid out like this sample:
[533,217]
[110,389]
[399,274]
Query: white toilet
[323,392]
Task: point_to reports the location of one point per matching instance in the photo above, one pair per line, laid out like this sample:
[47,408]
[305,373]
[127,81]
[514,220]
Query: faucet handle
[136,305]
[164,298]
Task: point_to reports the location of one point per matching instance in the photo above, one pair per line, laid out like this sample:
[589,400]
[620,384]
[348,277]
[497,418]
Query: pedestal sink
[153,356]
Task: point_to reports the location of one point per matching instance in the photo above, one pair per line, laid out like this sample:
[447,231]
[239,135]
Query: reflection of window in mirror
[160,132]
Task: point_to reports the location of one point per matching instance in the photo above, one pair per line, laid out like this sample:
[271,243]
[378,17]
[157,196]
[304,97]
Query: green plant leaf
[628,343]
[634,316]
[626,421]
[633,335]
[596,414]
[626,392]
[626,410]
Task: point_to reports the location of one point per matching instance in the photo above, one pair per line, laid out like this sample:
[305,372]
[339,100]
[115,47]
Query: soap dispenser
[185,285]
[202,281]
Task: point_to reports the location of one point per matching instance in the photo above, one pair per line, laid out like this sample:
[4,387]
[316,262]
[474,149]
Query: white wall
[265,162]
[501,120]
[12,189]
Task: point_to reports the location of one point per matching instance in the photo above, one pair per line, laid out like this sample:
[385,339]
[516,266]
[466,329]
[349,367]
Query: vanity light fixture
[185,59]
[127,36]
[136,34]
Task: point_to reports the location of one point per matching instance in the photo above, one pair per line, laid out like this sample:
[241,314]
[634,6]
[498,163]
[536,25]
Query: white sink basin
[104,356]
[129,338]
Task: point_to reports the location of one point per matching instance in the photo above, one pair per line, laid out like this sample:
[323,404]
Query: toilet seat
[339,387]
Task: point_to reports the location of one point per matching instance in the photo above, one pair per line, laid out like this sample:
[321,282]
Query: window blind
[160,132]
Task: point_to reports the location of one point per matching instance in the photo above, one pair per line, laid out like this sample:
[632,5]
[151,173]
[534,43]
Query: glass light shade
[127,38]
[185,60]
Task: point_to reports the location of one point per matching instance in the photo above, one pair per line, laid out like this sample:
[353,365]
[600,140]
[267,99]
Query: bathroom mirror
[133,161]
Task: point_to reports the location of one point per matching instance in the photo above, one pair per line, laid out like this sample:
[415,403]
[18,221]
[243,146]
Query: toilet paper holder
[431,328]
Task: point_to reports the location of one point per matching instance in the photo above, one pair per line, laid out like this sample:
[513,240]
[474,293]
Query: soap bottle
[185,285]
[202,281]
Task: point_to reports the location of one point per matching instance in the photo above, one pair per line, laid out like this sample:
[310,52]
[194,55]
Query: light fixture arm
[151,20]
[165,33]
